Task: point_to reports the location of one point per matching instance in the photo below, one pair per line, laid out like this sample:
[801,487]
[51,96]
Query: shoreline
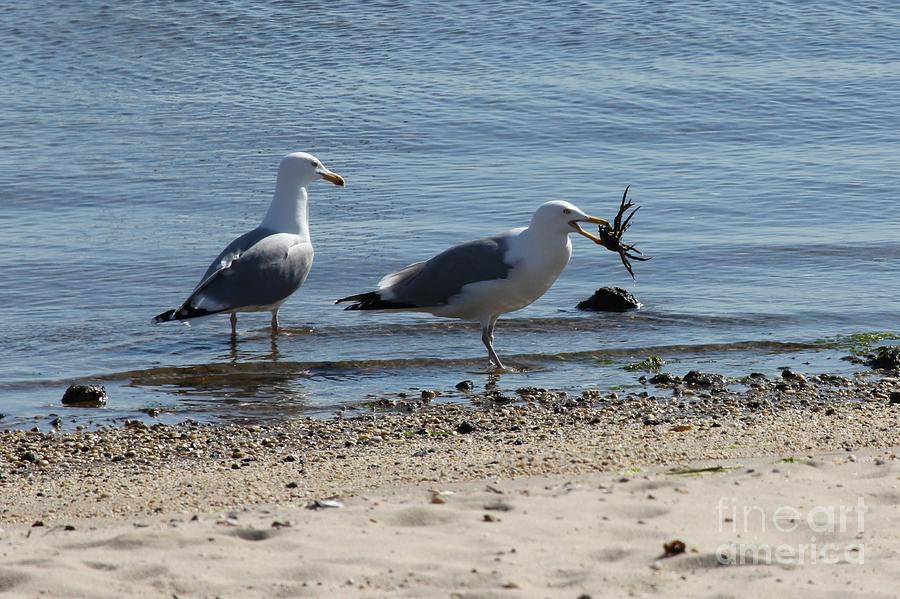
[544,495]
[535,433]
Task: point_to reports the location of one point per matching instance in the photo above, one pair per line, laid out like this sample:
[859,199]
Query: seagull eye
[315,165]
[566,211]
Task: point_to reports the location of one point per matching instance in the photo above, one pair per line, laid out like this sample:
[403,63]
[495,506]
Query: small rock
[895,397]
[610,299]
[465,385]
[885,358]
[664,378]
[68,528]
[323,504]
[466,427]
[695,378]
[673,548]
[429,394]
[85,396]
[789,375]
[291,485]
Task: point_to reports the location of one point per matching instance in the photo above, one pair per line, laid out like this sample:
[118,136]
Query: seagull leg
[233,325]
[275,321]
[487,337]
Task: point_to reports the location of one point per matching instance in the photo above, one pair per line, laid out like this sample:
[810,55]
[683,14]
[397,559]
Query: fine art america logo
[827,534]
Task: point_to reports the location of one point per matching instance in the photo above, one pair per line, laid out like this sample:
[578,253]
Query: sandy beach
[784,486]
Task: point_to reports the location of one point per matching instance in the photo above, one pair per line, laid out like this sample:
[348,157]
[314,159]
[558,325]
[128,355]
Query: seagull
[259,270]
[483,279]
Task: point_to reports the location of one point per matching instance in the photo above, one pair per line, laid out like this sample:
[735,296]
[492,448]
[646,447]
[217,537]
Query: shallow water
[139,139]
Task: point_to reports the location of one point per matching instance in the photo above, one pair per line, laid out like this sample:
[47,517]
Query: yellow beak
[333,178]
[591,236]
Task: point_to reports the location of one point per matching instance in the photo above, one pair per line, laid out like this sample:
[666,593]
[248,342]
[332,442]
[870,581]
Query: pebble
[466,427]
[324,504]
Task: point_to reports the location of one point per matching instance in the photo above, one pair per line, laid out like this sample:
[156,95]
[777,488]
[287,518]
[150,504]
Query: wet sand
[538,495]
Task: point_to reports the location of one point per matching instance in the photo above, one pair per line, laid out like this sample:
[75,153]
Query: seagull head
[563,217]
[303,169]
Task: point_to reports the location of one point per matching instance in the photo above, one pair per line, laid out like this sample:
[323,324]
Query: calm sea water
[137,139]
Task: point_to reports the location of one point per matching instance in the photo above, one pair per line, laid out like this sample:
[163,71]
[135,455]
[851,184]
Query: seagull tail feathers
[164,317]
[182,313]
[371,301]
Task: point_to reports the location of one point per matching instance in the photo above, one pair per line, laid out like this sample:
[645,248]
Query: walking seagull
[482,279]
[260,269]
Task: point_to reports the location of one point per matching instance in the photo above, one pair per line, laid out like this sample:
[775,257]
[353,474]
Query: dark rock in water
[465,385]
[695,378]
[466,427]
[795,377]
[85,396]
[886,358]
[664,378]
[610,299]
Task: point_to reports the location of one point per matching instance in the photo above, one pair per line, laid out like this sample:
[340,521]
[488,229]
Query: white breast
[537,265]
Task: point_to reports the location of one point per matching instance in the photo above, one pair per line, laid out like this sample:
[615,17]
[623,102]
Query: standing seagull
[260,269]
[480,280]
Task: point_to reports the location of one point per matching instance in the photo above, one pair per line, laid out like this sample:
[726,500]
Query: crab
[611,236]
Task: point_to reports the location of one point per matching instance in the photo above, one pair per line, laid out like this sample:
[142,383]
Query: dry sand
[598,535]
[553,497]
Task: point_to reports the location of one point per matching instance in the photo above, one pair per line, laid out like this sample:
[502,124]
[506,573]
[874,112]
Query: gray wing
[258,269]
[434,282]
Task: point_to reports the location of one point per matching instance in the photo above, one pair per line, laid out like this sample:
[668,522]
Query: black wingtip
[371,301]
[182,313]
[164,317]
